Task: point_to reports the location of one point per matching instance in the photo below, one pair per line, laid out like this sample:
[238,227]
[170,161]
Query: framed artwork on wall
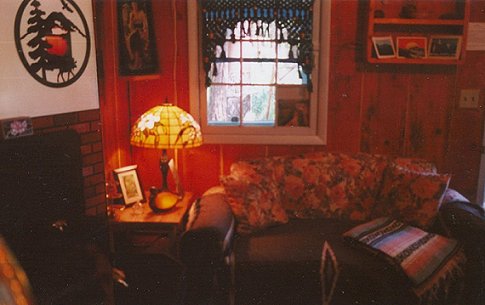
[137,54]
[51,44]
[130,186]
[411,47]
[445,47]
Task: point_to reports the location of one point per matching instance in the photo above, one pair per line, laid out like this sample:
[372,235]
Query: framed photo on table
[445,47]
[129,183]
[136,38]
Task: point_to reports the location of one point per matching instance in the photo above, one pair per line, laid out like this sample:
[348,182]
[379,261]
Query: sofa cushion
[255,205]
[281,264]
[329,185]
[259,170]
[300,240]
[285,261]
[253,196]
[413,197]
[415,164]
[301,183]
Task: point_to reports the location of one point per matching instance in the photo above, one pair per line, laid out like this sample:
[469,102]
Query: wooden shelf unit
[424,25]
[402,21]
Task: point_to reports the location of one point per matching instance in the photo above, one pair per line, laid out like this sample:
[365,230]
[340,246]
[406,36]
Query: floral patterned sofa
[258,238]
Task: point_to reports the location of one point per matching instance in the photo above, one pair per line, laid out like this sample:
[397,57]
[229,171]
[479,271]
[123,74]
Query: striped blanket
[431,262]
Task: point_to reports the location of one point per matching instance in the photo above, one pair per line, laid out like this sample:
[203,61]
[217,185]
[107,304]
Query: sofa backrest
[321,184]
[329,184]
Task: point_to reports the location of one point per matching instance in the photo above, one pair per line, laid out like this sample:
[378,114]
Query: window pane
[223,107]
[288,74]
[284,50]
[227,73]
[258,73]
[258,105]
[259,49]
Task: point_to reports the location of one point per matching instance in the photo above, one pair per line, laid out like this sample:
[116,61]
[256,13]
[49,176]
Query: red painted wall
[394,109]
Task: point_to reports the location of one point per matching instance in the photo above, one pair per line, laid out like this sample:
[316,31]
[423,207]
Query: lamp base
[162,201]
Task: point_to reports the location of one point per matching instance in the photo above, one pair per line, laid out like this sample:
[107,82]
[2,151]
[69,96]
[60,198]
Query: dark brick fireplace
[88,125]
[50,185]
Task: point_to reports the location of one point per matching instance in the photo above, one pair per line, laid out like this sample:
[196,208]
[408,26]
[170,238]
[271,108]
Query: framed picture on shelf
[137,51]
[411,47]
[384,47]
[293,113]
[444,47]
[130,186]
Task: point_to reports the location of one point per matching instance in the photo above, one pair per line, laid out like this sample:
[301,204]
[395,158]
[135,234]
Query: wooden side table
[138,230]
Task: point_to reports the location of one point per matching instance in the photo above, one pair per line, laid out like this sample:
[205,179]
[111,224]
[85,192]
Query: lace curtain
[293,20]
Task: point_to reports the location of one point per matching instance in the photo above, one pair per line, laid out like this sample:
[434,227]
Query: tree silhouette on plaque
[51,43]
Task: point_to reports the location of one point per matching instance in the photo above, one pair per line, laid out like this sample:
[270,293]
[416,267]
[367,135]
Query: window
[260,78]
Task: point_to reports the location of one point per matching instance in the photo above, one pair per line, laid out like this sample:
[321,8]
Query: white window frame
[315,135]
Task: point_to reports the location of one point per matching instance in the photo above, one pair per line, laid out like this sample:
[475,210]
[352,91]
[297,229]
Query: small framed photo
[293,113]
[445,47]
[130,186]
[411,47]
[384,47]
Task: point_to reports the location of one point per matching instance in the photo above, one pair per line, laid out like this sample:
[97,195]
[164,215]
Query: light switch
[469,98]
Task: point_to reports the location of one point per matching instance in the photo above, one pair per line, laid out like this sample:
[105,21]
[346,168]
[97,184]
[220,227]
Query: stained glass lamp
[165,127]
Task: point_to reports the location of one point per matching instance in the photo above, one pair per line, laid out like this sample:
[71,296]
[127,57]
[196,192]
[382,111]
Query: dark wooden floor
[152,280]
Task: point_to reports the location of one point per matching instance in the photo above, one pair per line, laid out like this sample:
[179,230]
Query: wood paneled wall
[407,110]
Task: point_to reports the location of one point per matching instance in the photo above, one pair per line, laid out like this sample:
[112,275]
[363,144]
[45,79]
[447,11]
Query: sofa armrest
[207,239]
[464,220]
[205,250]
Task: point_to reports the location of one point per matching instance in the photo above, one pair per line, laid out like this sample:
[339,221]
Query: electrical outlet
[469,98]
